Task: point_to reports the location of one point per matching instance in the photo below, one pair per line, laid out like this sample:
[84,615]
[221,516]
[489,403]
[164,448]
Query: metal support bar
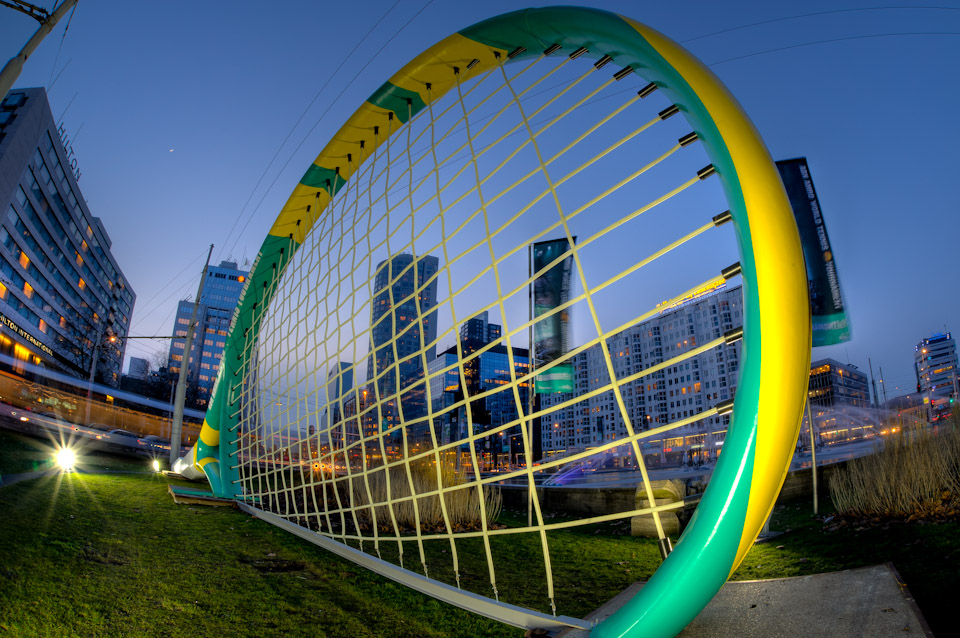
[503,612]
[176,427]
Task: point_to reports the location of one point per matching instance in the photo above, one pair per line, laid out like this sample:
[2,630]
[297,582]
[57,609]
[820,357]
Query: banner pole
[813,456]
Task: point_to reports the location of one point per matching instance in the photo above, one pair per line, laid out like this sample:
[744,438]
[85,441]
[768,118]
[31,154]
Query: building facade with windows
[402,321]
[221,293]
[138,368]
[63,298]
[675,393]
[491,402]
[477,332]
[399,319]
[839,398]
[935,364]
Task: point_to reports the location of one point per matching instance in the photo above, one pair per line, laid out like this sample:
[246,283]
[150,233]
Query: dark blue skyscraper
[403,322]
[221,292]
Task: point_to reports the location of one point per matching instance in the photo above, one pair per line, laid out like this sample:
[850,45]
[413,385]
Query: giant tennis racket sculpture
[418,215]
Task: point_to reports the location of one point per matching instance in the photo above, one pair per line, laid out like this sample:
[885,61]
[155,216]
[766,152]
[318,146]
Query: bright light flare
[156,465]
[66,458]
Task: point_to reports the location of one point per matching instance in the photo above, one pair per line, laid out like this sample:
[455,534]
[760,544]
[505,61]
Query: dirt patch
[946,509]
[275,565]
[93,555]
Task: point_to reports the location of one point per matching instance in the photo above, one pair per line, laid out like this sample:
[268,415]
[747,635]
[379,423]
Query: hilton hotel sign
[25,335]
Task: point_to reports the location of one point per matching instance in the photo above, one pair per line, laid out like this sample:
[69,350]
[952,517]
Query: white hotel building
[674,393]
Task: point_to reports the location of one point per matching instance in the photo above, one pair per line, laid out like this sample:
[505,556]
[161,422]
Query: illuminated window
[79,258]
[85,248]
[24,260]
[3,291]
[28,290]
[43,326]
[82,284]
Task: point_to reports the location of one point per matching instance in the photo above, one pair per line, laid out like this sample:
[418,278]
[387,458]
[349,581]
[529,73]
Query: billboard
[551,289]
[830,322]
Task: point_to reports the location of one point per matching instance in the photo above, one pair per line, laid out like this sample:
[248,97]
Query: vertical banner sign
[830,322]
[551,289]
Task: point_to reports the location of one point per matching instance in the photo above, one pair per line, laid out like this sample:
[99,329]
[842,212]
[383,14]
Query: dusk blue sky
[177,108]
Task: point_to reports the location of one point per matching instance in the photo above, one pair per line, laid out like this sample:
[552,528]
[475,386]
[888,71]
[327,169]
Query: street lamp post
[11,71]
[93,364]
[177,426]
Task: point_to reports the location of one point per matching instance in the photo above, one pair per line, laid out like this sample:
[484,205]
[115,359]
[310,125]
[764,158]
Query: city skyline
[207,116]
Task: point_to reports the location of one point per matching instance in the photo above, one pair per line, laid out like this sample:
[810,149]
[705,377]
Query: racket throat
[666,546]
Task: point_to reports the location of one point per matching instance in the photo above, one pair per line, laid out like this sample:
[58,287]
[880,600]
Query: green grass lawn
[112,555]
[22,453]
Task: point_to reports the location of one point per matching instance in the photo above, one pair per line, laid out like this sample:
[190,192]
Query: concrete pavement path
[870,601]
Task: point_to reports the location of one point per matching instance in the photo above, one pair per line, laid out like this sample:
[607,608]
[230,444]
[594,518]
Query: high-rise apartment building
[62,294]
[672,394]
[486,377]
[403,322]
[478,331]
[221,293]
[935,364]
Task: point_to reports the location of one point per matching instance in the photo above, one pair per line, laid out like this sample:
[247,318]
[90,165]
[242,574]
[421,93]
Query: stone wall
[587,501]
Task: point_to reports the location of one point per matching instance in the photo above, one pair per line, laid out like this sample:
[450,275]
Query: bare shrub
[916,470]
[383,488]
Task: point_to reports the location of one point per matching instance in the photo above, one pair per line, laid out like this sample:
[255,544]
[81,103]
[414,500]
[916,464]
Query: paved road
[95,436]
[625,478]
